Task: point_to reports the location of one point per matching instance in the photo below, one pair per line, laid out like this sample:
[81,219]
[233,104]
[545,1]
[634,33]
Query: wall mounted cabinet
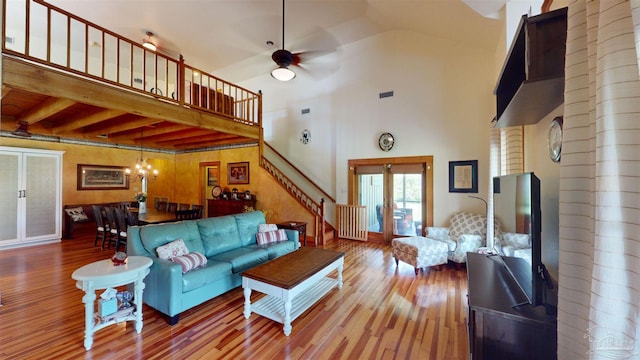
[30,195]
[531,83]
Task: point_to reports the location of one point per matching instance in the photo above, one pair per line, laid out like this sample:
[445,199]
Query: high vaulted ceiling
[230,36]
[230,39]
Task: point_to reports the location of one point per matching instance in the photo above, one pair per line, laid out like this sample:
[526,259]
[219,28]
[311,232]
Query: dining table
[154,216]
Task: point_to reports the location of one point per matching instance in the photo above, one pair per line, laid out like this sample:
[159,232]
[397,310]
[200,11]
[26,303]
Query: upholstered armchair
[514,244]
[467,232]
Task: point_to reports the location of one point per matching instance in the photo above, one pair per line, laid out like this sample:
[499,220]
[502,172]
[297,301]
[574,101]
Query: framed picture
[212,175]
[238,173]
[102,177]
[463,176]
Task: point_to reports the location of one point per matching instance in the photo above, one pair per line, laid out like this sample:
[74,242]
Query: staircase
[321,210]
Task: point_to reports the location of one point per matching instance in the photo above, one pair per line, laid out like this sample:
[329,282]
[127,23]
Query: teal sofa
[228,242]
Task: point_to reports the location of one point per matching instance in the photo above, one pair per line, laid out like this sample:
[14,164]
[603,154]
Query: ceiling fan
[284,58]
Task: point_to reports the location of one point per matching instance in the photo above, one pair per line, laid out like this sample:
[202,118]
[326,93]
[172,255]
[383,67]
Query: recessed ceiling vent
[306,111]
[386,94]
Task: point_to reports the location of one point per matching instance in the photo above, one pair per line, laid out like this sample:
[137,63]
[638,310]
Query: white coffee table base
[285,305]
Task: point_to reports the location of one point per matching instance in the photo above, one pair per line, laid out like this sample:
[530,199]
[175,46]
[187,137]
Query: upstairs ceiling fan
[283,58]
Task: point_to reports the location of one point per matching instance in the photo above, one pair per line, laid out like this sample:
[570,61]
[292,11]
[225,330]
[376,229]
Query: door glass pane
[371,195]
[407,204]
[41,195]
[9,197]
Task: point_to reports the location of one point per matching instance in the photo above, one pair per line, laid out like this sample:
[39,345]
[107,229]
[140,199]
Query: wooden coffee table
[293,283]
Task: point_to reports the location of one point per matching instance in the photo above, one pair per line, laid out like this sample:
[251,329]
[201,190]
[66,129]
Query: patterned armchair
[514,244]
[467,232]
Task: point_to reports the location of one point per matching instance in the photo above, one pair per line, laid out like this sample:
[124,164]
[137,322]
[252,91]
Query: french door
[397,193]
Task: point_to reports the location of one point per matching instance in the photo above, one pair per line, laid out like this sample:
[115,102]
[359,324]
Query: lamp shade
[283,73]
[149,45]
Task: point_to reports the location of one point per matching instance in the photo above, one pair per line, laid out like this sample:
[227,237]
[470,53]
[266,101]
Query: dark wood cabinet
[222,207]
[498,328]
[531,83]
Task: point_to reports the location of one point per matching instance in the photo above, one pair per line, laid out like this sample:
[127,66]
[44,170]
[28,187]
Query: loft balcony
[67,79]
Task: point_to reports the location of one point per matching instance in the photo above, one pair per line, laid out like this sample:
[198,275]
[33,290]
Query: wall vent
[386,94]
[137,80]
[9,40]
[306,111]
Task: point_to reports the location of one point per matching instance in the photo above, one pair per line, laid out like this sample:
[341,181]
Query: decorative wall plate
[386,141]
[216,192]
[555,139]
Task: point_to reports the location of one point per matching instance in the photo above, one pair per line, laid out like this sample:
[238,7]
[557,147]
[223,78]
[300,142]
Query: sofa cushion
[264,238]
[153,236]
[210,273]
[190,261]
[277,249]
[173,249]
[77,214]
[242,258]
[219,234]
[267,227]
[248,226]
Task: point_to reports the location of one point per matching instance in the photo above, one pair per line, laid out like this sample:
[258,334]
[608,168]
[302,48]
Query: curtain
[599,270]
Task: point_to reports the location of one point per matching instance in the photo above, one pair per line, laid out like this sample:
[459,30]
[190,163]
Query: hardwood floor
[381,312]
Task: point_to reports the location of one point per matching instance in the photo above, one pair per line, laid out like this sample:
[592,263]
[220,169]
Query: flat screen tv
[516,204]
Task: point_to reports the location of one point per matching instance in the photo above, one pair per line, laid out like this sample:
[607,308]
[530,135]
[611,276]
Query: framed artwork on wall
[102,177]
[238,173]
[213,172]
[463,176]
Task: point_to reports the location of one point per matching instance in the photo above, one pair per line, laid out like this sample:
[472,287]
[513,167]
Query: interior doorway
[398,194]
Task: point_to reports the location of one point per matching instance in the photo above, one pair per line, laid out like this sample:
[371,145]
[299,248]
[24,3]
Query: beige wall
[181,177]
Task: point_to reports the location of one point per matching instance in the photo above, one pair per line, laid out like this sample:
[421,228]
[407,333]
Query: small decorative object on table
[119,258]
[141,198]
[247,195]
[234,194]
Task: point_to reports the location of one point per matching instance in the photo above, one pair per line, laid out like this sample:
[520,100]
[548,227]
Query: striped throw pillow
[264,238]
[190,261]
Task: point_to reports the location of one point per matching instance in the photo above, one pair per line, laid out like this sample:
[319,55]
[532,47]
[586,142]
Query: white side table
[103,274]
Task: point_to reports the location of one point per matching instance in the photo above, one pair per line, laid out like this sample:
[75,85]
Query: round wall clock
[555,139]
[216,192]
[385,142]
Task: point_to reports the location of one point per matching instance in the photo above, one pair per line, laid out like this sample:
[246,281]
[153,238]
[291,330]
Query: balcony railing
[43,33]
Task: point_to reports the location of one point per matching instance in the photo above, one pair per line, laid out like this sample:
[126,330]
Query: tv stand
[497,328]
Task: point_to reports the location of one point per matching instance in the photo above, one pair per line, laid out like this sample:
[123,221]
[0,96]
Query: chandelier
[142,170]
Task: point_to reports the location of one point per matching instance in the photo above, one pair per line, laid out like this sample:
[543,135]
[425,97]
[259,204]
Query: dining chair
[102,229]
[132,218]
[162,206]
[187,214]
[113,227]
[121,223]
[172,207]
[200,209]
[182,206]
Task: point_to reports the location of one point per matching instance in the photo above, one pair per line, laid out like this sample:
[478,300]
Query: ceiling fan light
[147,44]
[283,73]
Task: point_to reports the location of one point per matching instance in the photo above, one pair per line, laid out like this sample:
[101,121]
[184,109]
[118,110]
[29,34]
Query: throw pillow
[264,238]
[190,261]
[77,214]
[267,227]
[172,249]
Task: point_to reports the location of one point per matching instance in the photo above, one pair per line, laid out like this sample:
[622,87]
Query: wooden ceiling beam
[160,129]
[198,139]
[209,143]
[122,126]
[83,120]
[45,109]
